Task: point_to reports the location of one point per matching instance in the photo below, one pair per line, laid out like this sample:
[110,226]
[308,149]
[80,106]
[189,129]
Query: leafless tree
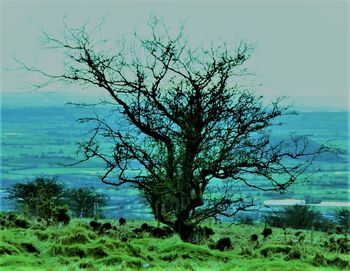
[184,128]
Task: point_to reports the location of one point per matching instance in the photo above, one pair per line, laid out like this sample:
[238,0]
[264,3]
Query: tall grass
[78,247]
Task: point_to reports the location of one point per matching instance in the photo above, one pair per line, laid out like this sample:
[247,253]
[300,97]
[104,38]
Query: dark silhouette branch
[184,121]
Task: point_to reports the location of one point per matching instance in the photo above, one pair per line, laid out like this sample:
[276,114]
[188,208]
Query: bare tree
[188,129]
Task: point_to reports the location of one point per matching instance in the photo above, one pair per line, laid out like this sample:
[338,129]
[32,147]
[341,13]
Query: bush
[45,198]
[275,219]
[61,215]
[342,217]
[297,217]
[39,197]
[86,202]
[245,219]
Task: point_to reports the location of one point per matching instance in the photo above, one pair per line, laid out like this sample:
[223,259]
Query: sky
[301,47]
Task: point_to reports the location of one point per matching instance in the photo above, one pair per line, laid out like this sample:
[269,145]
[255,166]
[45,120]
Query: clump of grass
[186,251]
[274,249]
[111,260]
[8,249]
[28,247]
[110,244]
[42,236]
[96,252]
[321,260]
[339,262]
[121,260]
[294,254]
[78,238]
[69,251]
[21,263]
[248,252]
[134,250]
[86,265]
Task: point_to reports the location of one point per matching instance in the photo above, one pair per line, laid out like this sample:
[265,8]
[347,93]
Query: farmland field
[36,141]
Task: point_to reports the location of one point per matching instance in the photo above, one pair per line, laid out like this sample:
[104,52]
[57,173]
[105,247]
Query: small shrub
[342,217]
[159,233]
[199,235]
[254,238]
[208,232]
[61,215]
[145,227]
[95,225]
[122,221]
[275,219]
[169,231]
[106,227]
[38,197]
[86,202]
[297,217]
[12,217]
[266,232]
[223,244]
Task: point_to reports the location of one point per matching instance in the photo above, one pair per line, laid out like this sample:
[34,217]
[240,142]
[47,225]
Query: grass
[78,247]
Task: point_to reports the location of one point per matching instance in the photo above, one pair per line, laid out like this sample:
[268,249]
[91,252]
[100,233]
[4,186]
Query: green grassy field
[78,247]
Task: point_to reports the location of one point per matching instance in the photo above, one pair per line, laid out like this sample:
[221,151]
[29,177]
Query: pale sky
[302,47]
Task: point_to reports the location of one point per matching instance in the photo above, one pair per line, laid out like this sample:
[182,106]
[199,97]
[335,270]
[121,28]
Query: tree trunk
[185,228]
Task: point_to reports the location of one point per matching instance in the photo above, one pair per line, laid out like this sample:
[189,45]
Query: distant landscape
[38,141]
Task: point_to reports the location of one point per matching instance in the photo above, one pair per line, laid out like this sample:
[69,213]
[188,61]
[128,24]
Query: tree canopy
[184,128]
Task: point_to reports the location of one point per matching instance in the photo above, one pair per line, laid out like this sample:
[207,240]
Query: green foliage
[60,215]
[302,217]
[342,217]
[86,202]
[46,198]
[297,217]
[39,197]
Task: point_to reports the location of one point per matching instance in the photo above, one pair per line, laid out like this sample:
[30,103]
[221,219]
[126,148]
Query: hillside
[31,245]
